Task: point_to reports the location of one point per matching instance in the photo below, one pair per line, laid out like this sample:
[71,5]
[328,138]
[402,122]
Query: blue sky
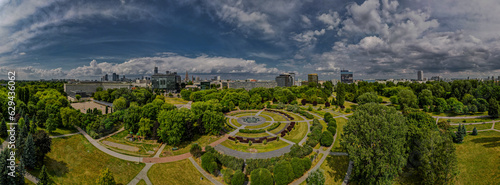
[250,39]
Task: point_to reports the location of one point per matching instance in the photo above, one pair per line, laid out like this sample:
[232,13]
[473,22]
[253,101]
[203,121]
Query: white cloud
[331,19]
[250,20]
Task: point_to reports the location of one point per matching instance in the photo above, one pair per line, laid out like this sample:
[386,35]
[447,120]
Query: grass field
[295,116]
[469,120]
[185,146]
[252,134]
[497,125]
[479,159]
[478,126]
[259,126]
[277,129]
[255,148]
[340,129]
[175,100]
[60,131]
[315,161]
[242,112]
[298,133]
[73,160]
[141,182]
[323,123]
[235,122]
[179,172]
[451,114]
[144,146]
[386,99]
[335,169]
[275,116]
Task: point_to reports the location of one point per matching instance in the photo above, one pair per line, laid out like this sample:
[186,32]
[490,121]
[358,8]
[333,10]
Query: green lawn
[175,100]
[144,145]
[60,131]
[323,123]
[295,116]
[73,160]
[142,182]
[259,126]
[185,146]
[275,116]
[497,125]
[479,159]
[478,126]
[264,134]
[340,129]
[235,122]
[386,99]
[335,169]
[242,112]
[179,172]
[469,120]
[299,132]
[277,129]
[255,148]
[451,114]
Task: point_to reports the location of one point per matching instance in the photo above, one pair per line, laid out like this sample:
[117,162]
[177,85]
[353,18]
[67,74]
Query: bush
[238,178]
[310,108]
[272,127]
[474,132]
[209,164]
[327,104]
[248,131]
[300,151]
[303,102]
[261,176]
[348,110]
[306,163]
[326,138]
[264,142]
[195,150]
[283,173]
[249,143]
[315,103]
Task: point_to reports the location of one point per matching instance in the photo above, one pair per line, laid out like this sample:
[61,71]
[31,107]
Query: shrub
[238,178]
[348,110]
[261,176]
[315,103]
[303,102]
[283,173]
[252,131]
[272,127]
[327,104]
[209,164]
[306,163]
[326,138]
[249,143]
[195,150]
[300,151]
[474,132]
[264,142]
[310,108]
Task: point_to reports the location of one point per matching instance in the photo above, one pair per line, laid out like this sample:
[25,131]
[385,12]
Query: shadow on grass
[339,165]
[489,142]
[56,168]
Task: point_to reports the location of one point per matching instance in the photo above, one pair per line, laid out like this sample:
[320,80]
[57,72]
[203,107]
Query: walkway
[282,139]
[143,174]
[65,135]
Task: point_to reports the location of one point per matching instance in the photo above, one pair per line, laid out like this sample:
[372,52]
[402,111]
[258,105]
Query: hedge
[275,125]
[248,131]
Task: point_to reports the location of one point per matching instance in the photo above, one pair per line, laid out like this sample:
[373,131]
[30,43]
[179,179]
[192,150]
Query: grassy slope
[244,147]
[73,160]
[179,172]
[298,133]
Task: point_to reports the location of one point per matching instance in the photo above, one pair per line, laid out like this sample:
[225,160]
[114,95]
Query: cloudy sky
[250,39]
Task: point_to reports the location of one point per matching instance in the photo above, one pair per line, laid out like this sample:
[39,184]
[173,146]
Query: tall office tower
[346,76]
[420,75]
[312,78]
[284,80]
[293,78]
[115,77]
[156,70]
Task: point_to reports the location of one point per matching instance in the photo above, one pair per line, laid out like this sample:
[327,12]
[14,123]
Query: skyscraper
[420,75]
[284,80]
[187,77]
[346,76]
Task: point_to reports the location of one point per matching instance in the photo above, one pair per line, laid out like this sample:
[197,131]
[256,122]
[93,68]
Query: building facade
[170,81]
[420,75]
[346,76]
[285,80]
[312,78]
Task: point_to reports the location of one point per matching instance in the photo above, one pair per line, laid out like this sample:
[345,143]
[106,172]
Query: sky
[375,39]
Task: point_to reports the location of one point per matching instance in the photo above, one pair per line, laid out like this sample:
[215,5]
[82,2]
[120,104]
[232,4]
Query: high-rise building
[312,78]
[436,78]
[420,75]
[187,77]
[284,80]
[104,78]
[156,70]
[346,76]
[168,81]
[293,78]
[115,77]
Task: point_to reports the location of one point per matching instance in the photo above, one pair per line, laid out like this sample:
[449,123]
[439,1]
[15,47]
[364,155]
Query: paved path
[157,155]
[107,151]
[318,165]
[65,135]
[348,174]
[463,117]
[282,139]
[260,112]
[478,123]
[120,146]
[207,176]
[143,174]
[338,153]
[246,155]
[31,178]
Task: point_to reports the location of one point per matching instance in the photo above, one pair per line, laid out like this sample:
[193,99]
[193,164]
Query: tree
[106,178]
[145,127]
[51,123]
[42,142]
[213,121]
[78,97]
[173,124]
[363,137]
[70,117]
[340,94]
[208,163]
[262,176]
[29,153]
[438,159]
[494,108]
[132,117]
[238,178]
[120,104]
[425,98]
[367,98]
[283,173]
[474,132]
[44,177]
[459,137]
[107,110]
[316,178]
[326,138]
[3,129]
[195,150]
[407,99]
[298,168]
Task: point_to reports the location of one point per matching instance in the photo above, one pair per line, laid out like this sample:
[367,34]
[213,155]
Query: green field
[73,160]
[479,159]
[252,134]
[60,131]
[299,132]
[451,114]
[275,116]
[497,125]
[469,120]
[144,145]
[259,126]
[340,129]
[179,172]
[295,116]
[175,100]
[185,146]
[277,129]
[235,122]
[255,148]
[335,169]
[470,127]
[323,123]
[142,182]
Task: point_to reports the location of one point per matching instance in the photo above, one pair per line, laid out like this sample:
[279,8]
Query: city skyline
[258,39]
